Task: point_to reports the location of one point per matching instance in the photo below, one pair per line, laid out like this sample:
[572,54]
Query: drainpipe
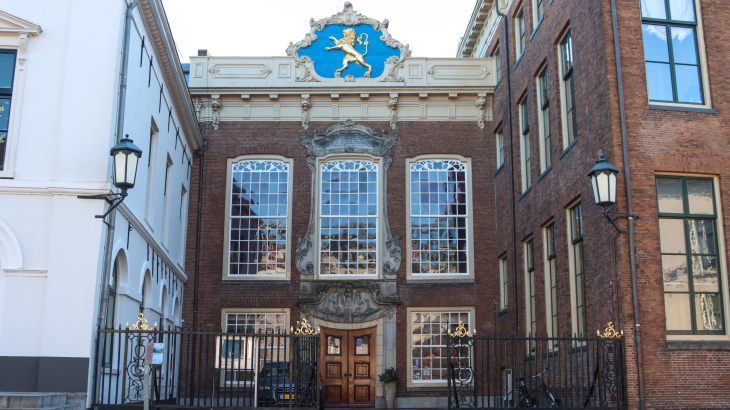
[511,168]
[197,234]
[106,264]
[630,211]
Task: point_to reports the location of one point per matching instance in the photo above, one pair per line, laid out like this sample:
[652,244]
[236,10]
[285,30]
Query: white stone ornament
[215,104]
[393,106]
[481,108]
[306,105]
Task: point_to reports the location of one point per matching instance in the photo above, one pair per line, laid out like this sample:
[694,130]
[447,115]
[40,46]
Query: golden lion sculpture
[347,45]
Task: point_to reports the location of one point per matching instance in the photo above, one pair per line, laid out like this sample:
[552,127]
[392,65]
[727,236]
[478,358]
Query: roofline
[473,20]
[155,22]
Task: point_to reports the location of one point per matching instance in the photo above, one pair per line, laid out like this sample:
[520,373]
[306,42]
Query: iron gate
[207,368]
[488,371]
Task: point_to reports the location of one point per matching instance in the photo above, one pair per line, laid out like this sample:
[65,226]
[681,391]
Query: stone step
[31,400]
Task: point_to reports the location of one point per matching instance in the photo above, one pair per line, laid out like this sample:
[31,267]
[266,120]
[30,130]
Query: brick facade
[658,141]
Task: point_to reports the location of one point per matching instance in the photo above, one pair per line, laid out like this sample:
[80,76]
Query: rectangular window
[7,75]
[575,228]
[520,33]
[530,311]
[258,218]
[538,7]
[151,168]
[544,120]
[671,53]
[500,148]
[551,284]
[688,233]
[525,146]
[504,284]
[568,90]
[244,355]
[428,331]
[439,217]
[348,218]
[497,66]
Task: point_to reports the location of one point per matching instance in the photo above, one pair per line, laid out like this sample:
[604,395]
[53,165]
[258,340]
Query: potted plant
[389,377]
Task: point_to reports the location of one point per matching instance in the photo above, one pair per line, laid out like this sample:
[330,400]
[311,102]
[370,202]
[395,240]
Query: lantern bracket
[622,215]
[112,199]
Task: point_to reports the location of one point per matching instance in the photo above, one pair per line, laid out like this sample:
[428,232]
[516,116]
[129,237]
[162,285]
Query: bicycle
[525,398]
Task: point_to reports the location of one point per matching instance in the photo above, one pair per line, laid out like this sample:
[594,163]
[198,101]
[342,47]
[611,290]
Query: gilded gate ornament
[142,324]
[610,332]
[347,46]
[461,331]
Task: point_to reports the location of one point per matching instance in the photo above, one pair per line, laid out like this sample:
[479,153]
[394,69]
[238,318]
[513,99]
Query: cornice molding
[20,26]
[71,188]
[155,23]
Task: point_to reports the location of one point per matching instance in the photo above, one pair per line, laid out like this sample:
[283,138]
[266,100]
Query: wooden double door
[348,367]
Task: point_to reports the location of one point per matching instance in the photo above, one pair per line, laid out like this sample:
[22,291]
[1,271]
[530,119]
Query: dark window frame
[6,93]
[530,280]
[576,242]
[566,50]
[685,217]
[552,280]
[521,27]
[668,23]
[526,146]
[545,116]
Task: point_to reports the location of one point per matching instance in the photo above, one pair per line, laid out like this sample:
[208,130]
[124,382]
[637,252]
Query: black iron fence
[207,368]
[488,371]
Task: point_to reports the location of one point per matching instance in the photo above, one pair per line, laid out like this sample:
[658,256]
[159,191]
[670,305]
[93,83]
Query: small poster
[154,353]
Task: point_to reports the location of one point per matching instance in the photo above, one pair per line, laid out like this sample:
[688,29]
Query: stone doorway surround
[384,345]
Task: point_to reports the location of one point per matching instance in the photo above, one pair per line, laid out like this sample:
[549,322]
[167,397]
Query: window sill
[698,344]
[518,60]
[442,281]
[285,281]
[539,23]
[525,193]
[430,388]
[565,151]
[498,169]
[686,108]
[503,312]
[544,173]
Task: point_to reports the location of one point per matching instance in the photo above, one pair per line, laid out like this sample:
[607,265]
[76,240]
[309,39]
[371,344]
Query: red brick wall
[282,138]
[658,141]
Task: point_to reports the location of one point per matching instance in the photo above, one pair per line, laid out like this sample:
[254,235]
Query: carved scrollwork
[393,64]
[304,244]
[305,66]
[350,302]
[481,111]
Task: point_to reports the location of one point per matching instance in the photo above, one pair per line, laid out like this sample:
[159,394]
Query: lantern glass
[603,181]
[126,157]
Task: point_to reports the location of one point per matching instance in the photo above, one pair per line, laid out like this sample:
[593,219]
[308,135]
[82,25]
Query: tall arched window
[348,215]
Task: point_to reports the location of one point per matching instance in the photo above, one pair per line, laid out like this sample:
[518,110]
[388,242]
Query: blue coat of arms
[348,45]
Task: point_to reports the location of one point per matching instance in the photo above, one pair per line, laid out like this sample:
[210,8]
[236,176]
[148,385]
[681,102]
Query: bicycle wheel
[517,398]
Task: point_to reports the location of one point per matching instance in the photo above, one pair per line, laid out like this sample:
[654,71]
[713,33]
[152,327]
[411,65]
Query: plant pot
[390,395]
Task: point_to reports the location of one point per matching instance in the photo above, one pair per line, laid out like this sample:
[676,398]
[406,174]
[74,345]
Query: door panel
[334,368]
[348,368]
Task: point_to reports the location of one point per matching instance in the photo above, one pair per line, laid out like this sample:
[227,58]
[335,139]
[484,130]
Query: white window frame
[16,38]
[378,161]
[227,225]
[528,251]
[470,310]
[563,99]
[723,265]
[469,219]
[149,210]
[499,140]
[221,364]
[551,330]
[166,198]
[536,20]
[503,283]
[572,270]
[497,65]
[700,35]
[184,201]
[519,23]
[525,152]
[542,128]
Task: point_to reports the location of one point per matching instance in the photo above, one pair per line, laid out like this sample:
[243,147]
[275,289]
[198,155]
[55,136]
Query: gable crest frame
[349,137]
[347,17]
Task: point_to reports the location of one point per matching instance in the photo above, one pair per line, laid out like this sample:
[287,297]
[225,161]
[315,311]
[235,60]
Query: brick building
[558,82]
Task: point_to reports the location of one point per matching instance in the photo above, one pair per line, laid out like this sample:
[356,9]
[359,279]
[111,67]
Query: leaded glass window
[429,330]
[258,217]
[439,217]
[348,218]
[690,256]
[244,354]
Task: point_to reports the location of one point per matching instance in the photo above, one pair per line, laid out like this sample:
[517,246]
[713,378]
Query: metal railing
[488,371]
[207,368]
